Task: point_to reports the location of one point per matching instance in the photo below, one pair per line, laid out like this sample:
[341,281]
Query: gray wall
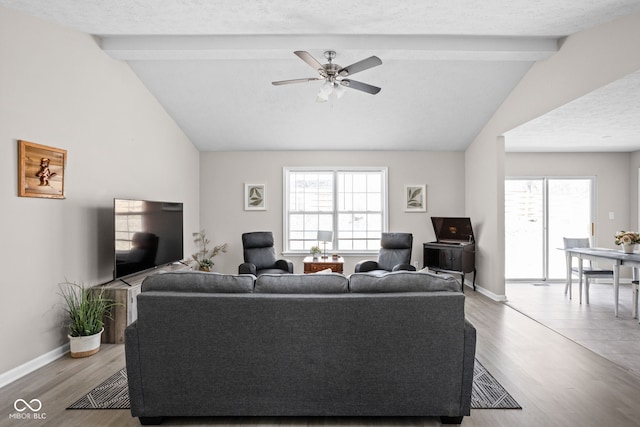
[59,89]
[612,176]
[223,175]
[585,61]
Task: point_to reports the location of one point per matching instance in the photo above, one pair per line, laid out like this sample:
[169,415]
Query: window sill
[342,254]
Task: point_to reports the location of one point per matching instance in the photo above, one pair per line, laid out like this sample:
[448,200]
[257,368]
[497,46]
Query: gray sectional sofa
[208,344]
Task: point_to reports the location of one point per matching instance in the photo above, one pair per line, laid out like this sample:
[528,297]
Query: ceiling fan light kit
[333,75]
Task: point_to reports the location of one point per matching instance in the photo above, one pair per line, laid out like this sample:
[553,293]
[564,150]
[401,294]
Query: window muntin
[351,202]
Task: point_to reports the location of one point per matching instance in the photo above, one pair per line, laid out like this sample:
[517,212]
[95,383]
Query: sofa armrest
[247,268]
[467,371]
[364,266]
[403,267]
[134,377]
[285,264]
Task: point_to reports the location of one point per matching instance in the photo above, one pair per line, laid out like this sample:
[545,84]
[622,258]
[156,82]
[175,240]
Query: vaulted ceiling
[446,67]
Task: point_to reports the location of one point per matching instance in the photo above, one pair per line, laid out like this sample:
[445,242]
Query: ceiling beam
[263,47]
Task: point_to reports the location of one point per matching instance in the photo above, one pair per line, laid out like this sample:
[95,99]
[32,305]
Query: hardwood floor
[592,325]
[556,381]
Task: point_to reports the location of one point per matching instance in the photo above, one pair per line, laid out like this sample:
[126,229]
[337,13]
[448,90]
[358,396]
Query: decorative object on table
[325,236]
[86,309]
[204,257]
[315,251]
[40,170]
[415,198]
[255,197]
[627,239]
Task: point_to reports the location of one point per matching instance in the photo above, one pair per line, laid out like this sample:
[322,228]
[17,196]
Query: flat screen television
[147,234]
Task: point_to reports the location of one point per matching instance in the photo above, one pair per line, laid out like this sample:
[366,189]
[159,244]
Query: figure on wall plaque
[40,170]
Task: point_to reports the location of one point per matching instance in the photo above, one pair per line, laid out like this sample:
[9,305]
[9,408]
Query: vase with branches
[203,259]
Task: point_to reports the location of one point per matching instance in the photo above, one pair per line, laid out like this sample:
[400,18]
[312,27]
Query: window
[541,211]
[351,202]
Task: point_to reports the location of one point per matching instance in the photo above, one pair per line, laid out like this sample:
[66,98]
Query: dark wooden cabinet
[457,258]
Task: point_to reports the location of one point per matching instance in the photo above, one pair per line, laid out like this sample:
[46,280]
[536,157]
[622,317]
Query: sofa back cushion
[198,281]
[323,283]
[402,281]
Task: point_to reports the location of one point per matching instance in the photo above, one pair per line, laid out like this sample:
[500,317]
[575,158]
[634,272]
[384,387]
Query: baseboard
[32,365]
[489,294]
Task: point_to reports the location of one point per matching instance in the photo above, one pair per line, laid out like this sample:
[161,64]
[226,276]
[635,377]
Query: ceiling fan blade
[287,82]
[313,62]
[365,64]
[360,86]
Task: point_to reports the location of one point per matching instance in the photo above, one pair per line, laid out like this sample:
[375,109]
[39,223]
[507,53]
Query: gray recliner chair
[394,255]
[260,255]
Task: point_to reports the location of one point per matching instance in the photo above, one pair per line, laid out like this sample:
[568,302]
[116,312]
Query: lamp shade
[325,236]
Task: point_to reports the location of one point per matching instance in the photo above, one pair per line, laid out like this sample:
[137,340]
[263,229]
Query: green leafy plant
[86,308]
[315,250]
[204,257]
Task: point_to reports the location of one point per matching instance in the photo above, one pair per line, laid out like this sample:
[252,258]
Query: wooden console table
[125,296]
[313,265]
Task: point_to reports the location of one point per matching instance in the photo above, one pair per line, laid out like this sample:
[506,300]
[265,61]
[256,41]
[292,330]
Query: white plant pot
[85,346]
[628,249]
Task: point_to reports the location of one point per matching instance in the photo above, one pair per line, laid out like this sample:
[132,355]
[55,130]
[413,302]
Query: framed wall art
[40,170]
[255,197]
[415,198]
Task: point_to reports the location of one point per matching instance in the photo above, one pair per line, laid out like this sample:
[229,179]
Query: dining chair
[587,271]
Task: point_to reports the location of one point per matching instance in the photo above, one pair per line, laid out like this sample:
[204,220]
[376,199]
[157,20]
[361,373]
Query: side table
[313,265]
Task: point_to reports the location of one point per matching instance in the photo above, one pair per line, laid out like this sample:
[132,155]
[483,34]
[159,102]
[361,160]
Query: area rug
[488,393]
[113,393]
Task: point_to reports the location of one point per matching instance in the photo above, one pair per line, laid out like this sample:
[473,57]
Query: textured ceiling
[459,17]
[211,63]
[607,119]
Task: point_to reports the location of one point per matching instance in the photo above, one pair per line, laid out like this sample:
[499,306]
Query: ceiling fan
[334,75]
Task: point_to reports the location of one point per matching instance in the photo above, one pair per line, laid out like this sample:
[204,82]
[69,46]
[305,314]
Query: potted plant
[86,309]
[204,257]
[627,239]
[315,251]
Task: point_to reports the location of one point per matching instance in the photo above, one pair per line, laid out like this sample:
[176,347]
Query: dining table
[617,258]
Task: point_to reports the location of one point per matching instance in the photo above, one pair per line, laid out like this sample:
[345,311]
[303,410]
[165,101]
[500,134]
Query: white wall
[57,88]
[634,190]
[223,175]
[584,62]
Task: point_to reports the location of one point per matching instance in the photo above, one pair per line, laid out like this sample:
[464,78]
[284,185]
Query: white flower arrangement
[627,237]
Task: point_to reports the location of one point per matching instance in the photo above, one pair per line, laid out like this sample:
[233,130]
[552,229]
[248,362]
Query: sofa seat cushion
[198,281]
[326,283]
[402,281]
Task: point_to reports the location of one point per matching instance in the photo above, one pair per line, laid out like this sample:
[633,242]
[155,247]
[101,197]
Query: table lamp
[324,237]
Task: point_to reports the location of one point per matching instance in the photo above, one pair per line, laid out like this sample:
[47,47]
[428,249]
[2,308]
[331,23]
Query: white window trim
[285,202]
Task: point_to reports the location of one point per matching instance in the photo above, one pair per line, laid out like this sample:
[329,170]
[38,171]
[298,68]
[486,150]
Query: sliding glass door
[539,212]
